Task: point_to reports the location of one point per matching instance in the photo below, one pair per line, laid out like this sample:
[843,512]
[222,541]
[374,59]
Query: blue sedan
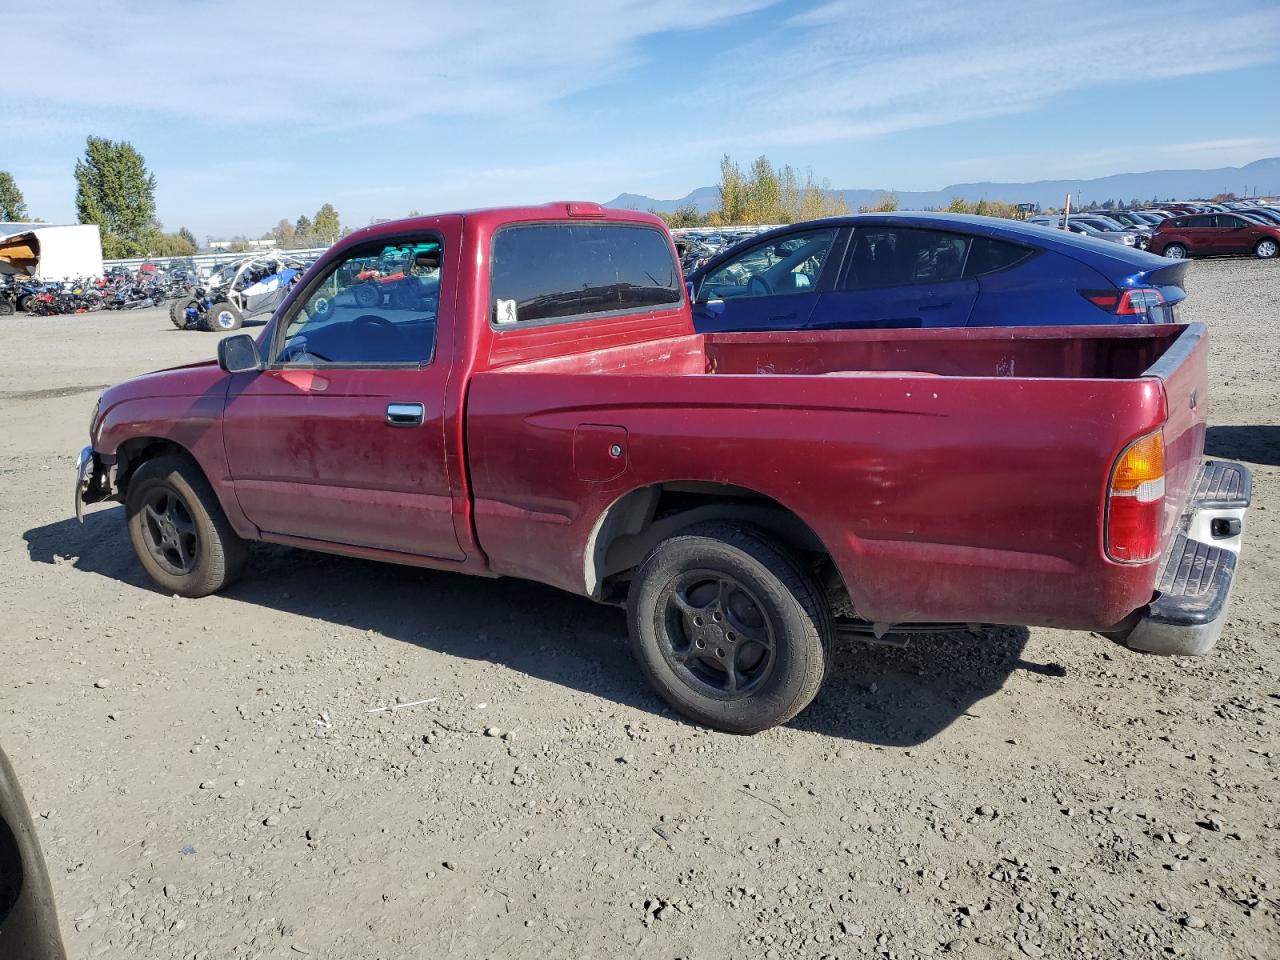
[929,270]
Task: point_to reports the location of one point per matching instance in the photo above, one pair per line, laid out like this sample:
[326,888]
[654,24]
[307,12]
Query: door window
[1200,221]
[776,267]
[890,257]
[376,306]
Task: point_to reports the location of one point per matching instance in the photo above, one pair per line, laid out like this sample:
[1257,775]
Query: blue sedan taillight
[1142,302]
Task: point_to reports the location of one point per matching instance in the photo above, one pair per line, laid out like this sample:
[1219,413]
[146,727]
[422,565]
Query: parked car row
[1181,230]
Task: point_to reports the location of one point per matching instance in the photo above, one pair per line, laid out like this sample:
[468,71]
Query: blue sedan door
[771,285]
[900,277]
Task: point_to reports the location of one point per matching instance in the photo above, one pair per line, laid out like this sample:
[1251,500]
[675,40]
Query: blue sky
[247,115]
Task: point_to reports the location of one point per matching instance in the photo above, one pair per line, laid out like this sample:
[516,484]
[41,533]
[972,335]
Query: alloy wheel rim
[170,532]
[716,634]
[1267,248]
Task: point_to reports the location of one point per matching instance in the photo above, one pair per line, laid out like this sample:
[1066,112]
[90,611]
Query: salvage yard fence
[212,259]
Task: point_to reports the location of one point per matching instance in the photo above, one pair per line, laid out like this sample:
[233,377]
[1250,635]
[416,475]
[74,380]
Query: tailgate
[1184,372]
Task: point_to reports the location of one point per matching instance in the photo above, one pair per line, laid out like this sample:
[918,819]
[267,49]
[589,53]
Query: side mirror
[239,354]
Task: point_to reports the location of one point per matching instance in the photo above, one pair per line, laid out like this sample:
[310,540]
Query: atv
[237,292]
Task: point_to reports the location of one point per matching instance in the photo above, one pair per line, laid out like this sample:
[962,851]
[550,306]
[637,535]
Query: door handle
[782,316]
[404,414]
[935,306]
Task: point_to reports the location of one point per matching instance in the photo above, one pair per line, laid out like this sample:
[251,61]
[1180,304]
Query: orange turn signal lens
[1140,468]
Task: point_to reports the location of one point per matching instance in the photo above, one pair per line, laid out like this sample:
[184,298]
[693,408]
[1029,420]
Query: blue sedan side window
[774,268]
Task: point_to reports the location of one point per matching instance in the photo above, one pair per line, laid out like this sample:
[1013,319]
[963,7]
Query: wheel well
[632,526]
[133,453]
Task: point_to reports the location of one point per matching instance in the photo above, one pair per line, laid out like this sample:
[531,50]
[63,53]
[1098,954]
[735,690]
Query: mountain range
[1260,178]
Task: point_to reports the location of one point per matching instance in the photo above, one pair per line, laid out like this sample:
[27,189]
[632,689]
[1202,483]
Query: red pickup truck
[542,408]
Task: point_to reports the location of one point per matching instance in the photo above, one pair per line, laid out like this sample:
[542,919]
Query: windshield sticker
[505,311]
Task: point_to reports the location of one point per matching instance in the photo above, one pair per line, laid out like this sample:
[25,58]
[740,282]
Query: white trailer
[57,253]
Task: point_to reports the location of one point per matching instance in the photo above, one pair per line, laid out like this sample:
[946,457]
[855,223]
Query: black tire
[216,553]
[178,312]
[23,300]
[733,575]
[367,294]
[222,317]
[1266,249]
[1174,251]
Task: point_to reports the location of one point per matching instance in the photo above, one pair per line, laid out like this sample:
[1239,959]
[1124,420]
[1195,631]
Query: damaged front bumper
[93,480]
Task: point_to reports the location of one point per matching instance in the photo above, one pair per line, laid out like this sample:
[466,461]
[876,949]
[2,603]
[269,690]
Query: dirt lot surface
[1023,793]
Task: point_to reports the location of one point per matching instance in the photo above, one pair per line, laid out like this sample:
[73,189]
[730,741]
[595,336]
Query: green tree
[303,229]
[685,215]
[733,193]
[887,203]
[170,244]
[13,206]
[189,237]
[764,194]
[819,200]
[284,233]
[115,190]
[327,227]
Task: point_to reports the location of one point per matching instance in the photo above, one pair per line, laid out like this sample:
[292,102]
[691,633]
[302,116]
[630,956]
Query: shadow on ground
[919,690]
[1258,443]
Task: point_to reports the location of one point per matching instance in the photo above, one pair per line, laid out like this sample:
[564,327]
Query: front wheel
[1266,249]
[729,627]
[222,317]
[178,529]
[1175,251]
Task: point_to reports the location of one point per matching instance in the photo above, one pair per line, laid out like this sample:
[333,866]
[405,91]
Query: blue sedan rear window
[988,256]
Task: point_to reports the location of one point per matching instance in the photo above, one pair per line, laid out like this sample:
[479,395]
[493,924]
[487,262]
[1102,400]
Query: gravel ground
[210,782]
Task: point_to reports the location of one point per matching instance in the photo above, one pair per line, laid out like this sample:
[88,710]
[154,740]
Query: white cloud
[852,69]
[330,63]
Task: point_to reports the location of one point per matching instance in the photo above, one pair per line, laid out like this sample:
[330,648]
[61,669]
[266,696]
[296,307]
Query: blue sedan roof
[1114,261]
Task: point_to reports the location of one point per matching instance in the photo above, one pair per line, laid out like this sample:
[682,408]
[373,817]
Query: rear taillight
[1135,501]
[1137,302]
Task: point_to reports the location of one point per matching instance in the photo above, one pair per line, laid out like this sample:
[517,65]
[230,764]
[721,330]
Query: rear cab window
[559,272]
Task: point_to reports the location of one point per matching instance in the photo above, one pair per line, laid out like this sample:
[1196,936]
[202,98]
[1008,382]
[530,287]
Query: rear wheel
[178,529]
[1175,251]
[729,627]
[222,317]
[1266,249]
[367,294]
[178,312]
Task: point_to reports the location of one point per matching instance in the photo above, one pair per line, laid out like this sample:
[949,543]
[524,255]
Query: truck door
[900,277]
[341,438]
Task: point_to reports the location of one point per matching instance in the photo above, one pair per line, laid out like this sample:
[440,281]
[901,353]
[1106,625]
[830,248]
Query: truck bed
[953,474]
[1108,353]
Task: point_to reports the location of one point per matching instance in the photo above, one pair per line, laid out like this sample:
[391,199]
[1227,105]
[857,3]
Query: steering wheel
[391,335]
[758,286]
[373,320]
